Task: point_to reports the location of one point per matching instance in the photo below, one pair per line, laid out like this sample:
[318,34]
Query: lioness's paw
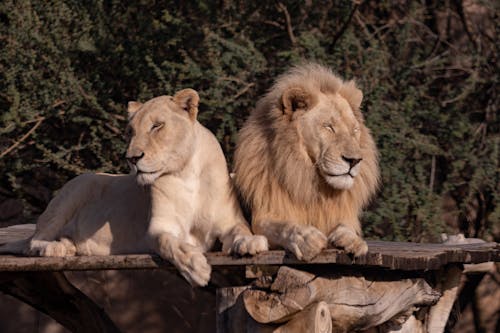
[250,245]
[61,248]
[348,240]
[306,242]
[192,265]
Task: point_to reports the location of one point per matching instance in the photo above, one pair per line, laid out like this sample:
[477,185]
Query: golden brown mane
[273,174]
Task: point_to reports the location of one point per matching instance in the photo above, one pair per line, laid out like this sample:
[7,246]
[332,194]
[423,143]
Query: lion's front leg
[347,238]
[239,240]
[188,259]
[305,242]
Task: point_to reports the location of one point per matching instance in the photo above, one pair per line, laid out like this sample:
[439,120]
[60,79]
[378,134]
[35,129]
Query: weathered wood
[449,280]
[412,325]
[16,232]
[392,255]
[355,302]
[315,318]
[358,298]
[52,294]
[231,315]
[381,254]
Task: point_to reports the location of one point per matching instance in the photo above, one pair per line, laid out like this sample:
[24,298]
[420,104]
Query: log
[412,325]
[315,318]
[356,302]
[232,316]
[231,313]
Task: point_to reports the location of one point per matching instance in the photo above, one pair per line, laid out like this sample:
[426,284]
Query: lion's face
[161,135]
[330,135]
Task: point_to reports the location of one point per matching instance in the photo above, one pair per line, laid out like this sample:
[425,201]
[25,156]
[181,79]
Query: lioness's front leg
[240,240]
[305,242]
[348,239]
[189,259]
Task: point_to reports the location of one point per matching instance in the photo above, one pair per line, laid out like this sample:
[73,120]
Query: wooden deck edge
[408,258]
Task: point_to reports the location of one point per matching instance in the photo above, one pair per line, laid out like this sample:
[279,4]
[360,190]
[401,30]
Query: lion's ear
[132,108]
[188,100]
[294,99]
[352,94]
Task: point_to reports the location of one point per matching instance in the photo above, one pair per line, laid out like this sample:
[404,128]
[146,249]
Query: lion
[305,163]
[177,201]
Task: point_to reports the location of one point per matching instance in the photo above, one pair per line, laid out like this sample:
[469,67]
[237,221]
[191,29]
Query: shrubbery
[429,74]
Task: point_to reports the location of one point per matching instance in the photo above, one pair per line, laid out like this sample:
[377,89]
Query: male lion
[306,164]
[177,203]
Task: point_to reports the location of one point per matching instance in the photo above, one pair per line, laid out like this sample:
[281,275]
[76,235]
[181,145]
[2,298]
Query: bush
[429,74]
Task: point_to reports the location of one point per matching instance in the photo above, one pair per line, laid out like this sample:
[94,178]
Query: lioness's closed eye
[306,164]
[176,202]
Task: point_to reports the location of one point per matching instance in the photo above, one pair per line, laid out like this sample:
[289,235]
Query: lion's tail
[16,247]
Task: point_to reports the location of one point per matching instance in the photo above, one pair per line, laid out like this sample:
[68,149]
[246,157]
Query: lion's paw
[306,242]
[250,245]
[61,248]
[347,239]
[192,265]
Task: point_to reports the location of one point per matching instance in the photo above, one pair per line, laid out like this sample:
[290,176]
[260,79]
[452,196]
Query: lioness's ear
[133,107]
[188,100]
[294,99]
[352,94]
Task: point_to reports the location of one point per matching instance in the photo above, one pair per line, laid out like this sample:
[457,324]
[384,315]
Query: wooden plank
[419,259]
[390,255]
[16,232]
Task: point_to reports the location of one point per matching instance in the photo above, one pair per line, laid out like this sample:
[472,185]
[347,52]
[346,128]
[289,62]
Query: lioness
[306,164]
[177,202]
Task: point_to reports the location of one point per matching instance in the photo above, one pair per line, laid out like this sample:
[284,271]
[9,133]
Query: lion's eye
[156,126]
[329,127]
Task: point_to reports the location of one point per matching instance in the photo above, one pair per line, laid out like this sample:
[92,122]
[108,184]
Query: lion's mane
[273,176]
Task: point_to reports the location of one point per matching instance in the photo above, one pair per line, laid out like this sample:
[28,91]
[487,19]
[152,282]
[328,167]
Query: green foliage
[68,68]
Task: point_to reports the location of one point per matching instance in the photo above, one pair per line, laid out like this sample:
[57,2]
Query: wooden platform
[282,294]
[389,255]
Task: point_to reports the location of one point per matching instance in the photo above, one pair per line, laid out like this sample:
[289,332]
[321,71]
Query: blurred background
[429,71]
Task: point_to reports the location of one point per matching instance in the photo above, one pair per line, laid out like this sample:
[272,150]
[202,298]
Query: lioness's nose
[352,161]
[134,159]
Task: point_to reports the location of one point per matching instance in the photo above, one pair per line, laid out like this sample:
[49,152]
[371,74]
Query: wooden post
[449,279]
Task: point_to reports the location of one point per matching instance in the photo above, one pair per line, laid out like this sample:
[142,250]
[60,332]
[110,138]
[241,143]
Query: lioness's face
[161,135]
[331,137]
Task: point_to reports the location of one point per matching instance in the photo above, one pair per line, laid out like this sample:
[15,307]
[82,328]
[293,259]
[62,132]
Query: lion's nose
[134,158]
[352,161]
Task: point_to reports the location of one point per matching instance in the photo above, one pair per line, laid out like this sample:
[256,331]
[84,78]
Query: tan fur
[177,202]
[288,150]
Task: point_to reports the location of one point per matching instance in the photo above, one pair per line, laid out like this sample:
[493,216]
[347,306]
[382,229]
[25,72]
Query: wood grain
[390,255]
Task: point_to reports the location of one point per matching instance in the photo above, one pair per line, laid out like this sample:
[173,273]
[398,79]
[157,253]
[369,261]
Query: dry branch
[24,137]
[288,20]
